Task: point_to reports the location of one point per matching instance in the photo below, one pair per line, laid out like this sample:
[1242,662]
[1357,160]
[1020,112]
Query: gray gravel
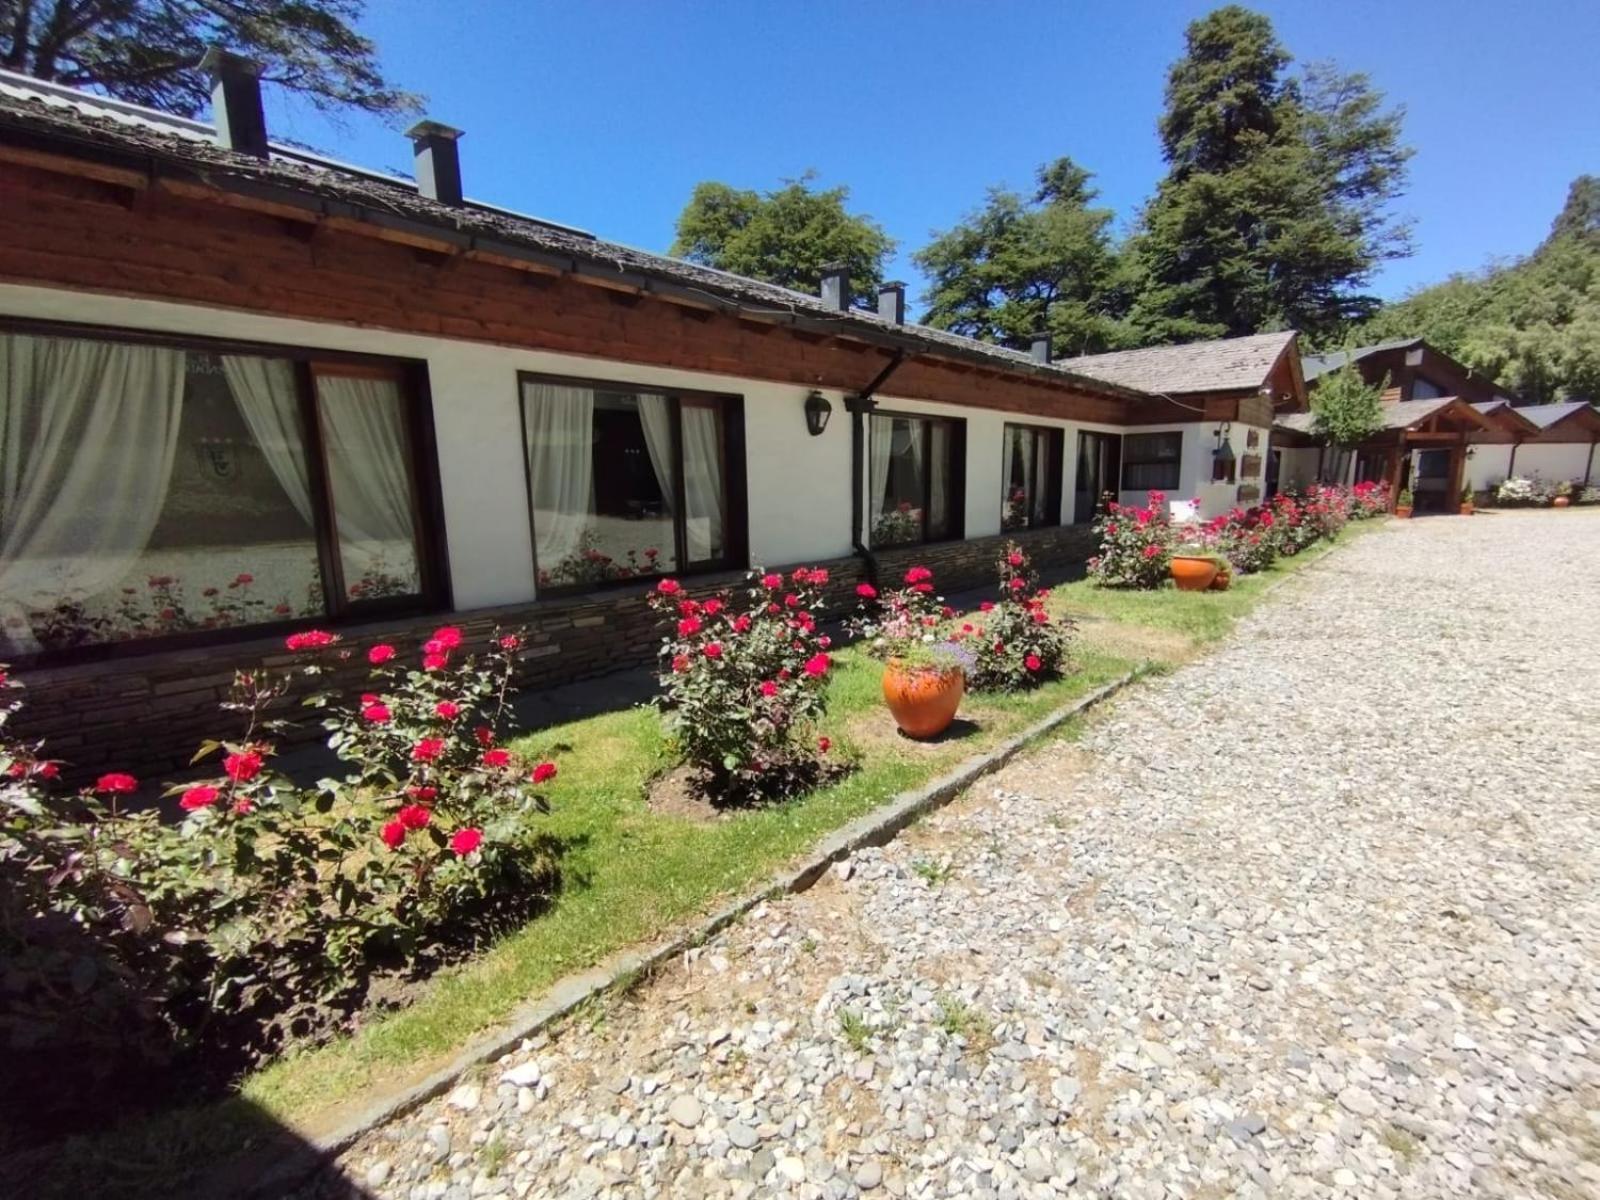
[1315,915]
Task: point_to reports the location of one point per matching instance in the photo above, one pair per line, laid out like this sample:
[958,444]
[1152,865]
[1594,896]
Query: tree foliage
[149,51]
[786,236]
[1020,265]
[1346,410]
[1533,325]
[1274,210]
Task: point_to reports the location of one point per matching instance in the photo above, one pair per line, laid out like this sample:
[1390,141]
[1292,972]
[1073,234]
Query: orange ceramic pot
[1468,509]
[1192,574]
[1560,502]
[923,699]
[1224,578]
[1403,512]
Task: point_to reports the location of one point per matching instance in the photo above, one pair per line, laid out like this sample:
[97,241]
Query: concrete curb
[281,1168]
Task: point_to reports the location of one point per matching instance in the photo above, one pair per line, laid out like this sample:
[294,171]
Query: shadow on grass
[957,731]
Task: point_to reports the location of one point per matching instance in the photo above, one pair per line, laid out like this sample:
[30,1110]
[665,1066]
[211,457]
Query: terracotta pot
[1403,511]
[923,699]
[1224,578]
[1192,574]
[1468,509]
[1560,502]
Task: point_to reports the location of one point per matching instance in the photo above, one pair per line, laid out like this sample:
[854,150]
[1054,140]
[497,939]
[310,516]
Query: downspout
[1588,466]
[860,406]
[1511,463]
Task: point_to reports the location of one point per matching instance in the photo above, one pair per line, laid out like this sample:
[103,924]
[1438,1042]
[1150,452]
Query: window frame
[957,477]
[1128,460]
[434,593]
[735,534]
[1052,440]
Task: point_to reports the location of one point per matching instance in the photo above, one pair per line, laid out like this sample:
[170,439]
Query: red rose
[772,581]
[510,642]
[688,627]
[244,578]
[544,772]
[46,770]
[918,575]
[414,816]
[116,782]
[449,637]
[311,639]
[817,665]
[824,744]
[378,714]
[819,576]
[423,794]
[986,606]
[800,575]
[866,591]
[465,841]
[380,653]
[712,607]
[199,796]
[496,758]
[435,661]
[713,650]
[1032,662]
[680,663]
[1014,558]
[768,688]
[741,624]
[1018,584]
[394,834]
[447,710]
[242,768]
[791,601]
[484,734]
[669,587]
[428,749]
[244,806]
[824,641]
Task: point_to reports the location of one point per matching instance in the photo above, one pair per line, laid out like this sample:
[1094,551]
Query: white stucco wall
[1549,461]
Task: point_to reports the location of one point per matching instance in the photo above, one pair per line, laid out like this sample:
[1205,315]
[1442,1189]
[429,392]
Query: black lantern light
[818,410]
[1222,460]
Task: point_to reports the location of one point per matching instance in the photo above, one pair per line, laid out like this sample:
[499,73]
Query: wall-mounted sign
[1248,493]
[1250,466]
[1252,439]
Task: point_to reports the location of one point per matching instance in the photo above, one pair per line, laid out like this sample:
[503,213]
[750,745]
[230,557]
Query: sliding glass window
[625,481]
[915,479]
[1030,477]
[151,490]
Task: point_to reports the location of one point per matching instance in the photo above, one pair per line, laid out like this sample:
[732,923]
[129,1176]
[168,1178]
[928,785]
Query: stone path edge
[287,1167]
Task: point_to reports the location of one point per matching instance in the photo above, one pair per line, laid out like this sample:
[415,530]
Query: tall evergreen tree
[1019,266]
[786,236]
[1273,211]
[149,51]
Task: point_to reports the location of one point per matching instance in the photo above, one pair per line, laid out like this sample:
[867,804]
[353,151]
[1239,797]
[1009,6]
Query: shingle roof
[1546,415]
[1315,365]
[1229,364]
[57,116]
[1399,415]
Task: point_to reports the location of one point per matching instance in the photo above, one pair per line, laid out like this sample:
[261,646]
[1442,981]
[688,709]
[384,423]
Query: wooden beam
[39,160]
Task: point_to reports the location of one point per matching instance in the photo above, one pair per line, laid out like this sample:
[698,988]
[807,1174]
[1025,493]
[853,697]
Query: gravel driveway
[1316,915]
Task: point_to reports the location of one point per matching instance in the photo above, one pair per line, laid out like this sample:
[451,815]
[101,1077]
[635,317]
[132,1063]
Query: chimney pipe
[892,302]
[438,162]
[836,286]
[236,101]
[1040,348]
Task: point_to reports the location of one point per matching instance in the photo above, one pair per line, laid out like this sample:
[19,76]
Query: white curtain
[880,453]
[264,389]
[560,429]
[655,414]
[938,516]
[89,430]
[704,494]
[363,424]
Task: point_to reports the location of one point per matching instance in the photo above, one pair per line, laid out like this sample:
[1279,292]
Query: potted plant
[1192,568]
[1402,506]
[1224,576]
[925,673]
[1563,494]
[1467,506]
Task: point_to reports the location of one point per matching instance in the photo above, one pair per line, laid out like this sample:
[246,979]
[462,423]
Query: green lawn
[631,875]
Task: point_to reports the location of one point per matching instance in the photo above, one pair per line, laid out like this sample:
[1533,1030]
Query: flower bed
[1136,544]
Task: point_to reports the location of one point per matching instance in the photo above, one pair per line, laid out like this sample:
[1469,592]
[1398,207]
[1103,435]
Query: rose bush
[261,915]
[744,682]
[1017,643]
[1244,537]
[1135,544]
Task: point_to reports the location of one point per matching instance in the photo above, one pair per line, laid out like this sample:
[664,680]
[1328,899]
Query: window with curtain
[1030,477]
[914,474]
[625,482]
[153,491]
[1151,461]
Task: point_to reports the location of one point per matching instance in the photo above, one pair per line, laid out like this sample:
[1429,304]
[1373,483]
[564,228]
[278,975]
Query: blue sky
[605,115]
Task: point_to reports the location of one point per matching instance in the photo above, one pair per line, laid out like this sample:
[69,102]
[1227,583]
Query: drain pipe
[860,407]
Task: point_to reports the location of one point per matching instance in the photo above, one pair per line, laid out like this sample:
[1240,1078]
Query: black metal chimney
[892,302]
[438,161]
[836,286]
[1040,348]
[236,101]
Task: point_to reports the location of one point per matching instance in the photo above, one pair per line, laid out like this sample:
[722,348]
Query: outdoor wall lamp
[1222,461]
[818,410]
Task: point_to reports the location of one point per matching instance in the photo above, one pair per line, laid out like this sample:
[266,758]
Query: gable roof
[1546,415]
[1315,365]
[1506,415]
[1225,365]
[1402,414]
[55,119]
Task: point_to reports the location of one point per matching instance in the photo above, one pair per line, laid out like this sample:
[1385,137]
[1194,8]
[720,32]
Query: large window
[625,482]
[915,479]
[151,490]
[1030,477]
[1151,461]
